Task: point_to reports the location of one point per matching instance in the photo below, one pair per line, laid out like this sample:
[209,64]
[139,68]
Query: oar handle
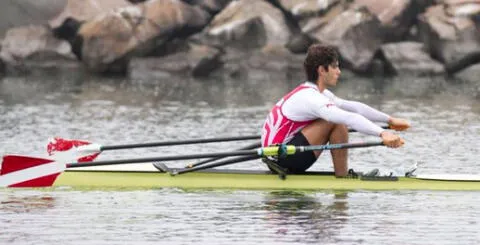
[339,146]
[179,142]
[292,149]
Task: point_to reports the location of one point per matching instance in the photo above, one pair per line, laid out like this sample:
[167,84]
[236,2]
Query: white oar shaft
[31,173]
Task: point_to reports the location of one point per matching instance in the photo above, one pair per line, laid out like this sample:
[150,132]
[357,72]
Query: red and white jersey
[306,103]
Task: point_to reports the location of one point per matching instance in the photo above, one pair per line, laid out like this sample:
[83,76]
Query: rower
[311,114]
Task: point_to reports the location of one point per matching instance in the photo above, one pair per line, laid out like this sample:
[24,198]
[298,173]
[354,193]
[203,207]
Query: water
[445,120]
[239,217]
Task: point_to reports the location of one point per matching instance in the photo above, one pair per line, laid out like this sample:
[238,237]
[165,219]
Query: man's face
[331,76]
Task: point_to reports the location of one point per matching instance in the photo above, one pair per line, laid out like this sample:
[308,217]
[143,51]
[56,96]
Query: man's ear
[320,70]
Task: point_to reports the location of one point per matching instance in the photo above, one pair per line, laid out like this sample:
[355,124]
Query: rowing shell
[139,176]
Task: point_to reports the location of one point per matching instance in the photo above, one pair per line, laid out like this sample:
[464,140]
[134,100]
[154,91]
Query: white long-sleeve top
[306,103]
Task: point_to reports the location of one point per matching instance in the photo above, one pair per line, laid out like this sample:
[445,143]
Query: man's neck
[320,85]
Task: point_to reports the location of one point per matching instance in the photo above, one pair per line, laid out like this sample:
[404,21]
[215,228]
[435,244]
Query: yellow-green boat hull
[249,180]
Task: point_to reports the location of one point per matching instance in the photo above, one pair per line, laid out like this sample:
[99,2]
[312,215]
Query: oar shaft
[218,164]
[165,158]
[192,141]
[179,142]
[248,147]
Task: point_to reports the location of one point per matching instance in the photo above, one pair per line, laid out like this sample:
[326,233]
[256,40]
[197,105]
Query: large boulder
[2,64]
[357,34]
[302,10]
[470,75]
[305,15]
[15,13]
[32,46]
[397,17]
[452,34]
[83,10]
[410,58]
[272,62]
[248,24]
[198,61]
[461,7]
[107,42]
[211,6]
[312,25]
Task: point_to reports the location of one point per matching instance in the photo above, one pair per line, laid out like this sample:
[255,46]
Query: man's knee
[324,124]
[341,128]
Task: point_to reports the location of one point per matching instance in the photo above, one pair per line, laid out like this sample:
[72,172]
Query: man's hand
[391,140]
[398,124]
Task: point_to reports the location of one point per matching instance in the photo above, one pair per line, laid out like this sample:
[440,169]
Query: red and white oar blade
[23,171]
[79,150]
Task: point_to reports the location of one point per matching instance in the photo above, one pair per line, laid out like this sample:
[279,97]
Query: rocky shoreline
[203,38]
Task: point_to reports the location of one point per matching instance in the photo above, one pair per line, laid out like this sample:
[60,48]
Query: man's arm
[370,113]
[360,123]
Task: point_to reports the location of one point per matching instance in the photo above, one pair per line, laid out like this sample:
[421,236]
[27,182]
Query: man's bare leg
[321,132]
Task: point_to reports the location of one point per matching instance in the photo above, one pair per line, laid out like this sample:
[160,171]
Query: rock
[2,65]
[248,24]
[316,23]
[15,13]
[199,61]
[397,17]
[462,8]
[204,60]
[410,58]
[303,9]
[454,40]
[211,6]
[272,62]
[82,10]
[68,31]
[470,74]
[108,42]
[356,33]
[29,47]
[299,43]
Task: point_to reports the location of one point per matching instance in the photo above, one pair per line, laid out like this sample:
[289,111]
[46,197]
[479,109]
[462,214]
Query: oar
[172,172]
[248,147]
[274,151]
[255,145]
[85,151]
[23,171]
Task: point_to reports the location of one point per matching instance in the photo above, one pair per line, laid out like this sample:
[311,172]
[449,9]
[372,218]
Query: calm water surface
[444,138]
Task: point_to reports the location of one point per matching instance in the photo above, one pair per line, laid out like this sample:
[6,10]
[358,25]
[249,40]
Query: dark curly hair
[318,55]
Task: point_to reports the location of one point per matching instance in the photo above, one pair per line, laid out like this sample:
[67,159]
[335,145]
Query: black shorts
[299,162]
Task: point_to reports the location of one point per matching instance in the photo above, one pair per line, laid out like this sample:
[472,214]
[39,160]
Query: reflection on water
[26,204]
[170,216]
[219,93]
[292,212]
[150,93]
